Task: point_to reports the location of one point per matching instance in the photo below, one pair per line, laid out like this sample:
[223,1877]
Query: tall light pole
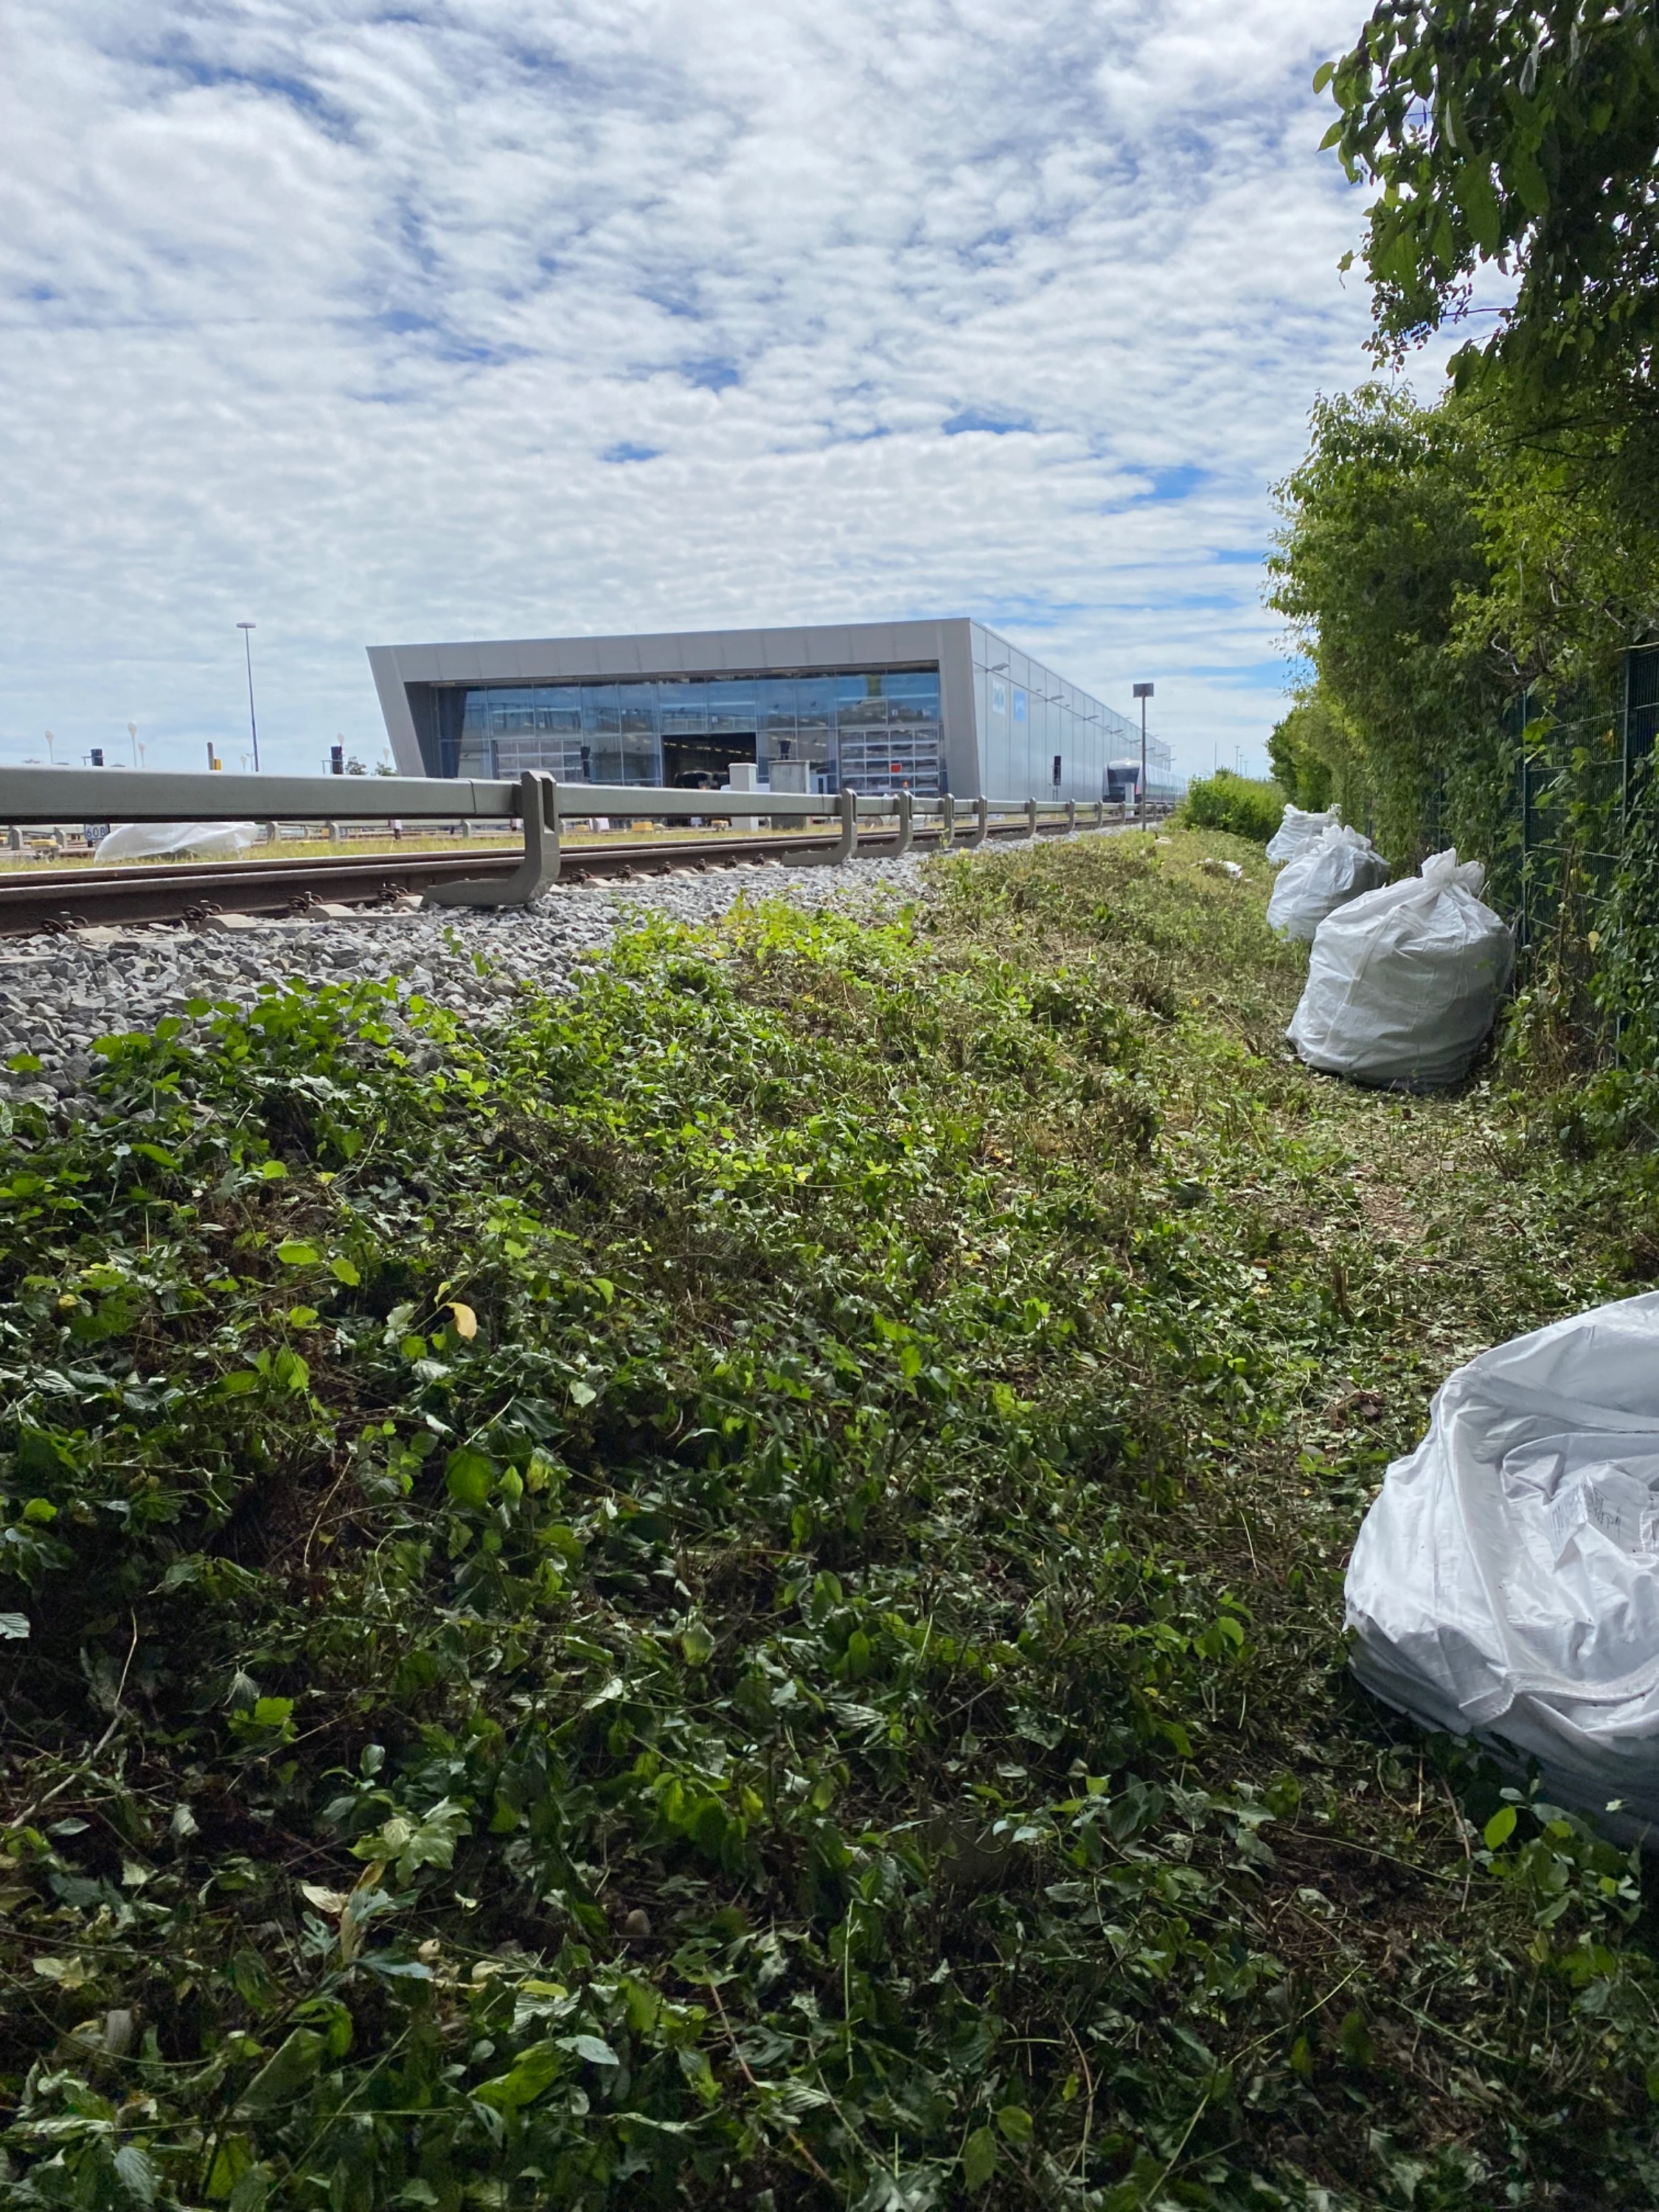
[132,734]
[247,647]
[1143,692]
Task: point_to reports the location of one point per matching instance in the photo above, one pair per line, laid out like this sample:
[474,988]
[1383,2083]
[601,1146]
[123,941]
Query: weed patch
[735,1593]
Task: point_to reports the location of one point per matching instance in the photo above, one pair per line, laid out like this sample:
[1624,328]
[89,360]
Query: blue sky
[378,323]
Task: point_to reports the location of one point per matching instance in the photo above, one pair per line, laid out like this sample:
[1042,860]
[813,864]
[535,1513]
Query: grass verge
[733,1590]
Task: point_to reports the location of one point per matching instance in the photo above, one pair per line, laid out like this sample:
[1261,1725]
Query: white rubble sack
[149,840]
[1339,866]
[1297,830]
[1403,982]
[1506,1582]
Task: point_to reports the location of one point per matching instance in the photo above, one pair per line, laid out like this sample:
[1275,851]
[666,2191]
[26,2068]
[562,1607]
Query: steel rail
[60,898]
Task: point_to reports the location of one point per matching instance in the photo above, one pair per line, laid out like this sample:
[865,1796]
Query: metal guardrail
[541,802]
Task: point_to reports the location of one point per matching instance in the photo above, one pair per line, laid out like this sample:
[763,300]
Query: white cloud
[329,314]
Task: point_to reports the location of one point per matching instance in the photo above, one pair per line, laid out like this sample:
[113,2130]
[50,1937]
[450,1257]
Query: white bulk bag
[1336,867]
[1296,831]
[1403,983]
[1506,1582]
[149,840]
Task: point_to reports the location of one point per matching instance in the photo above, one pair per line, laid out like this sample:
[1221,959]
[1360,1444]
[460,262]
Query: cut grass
[739,1594]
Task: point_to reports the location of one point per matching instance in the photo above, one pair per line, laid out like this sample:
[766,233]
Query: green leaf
[583,1394]
[1016,2124]
[590,2048]
[14,1626]
[1501,1827]
[1354,2038]
[470,1477]
[1478,202]
[136,2174]
[979,2158]
[286,2075]
[251,2192]
[697,1643]
[231,2161]
[302,1316]
[1323,75]
[343,1272]
[1527,180]
[297,1253]
[536,2070]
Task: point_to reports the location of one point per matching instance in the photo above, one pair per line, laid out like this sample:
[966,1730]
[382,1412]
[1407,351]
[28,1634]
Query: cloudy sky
[474,318]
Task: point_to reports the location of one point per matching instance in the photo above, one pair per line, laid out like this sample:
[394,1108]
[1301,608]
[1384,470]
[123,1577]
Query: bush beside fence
[1243,805]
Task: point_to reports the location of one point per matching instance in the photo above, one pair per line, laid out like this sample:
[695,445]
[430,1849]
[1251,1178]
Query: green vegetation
[732,1593]
[1524,136]
[1243,805]
[1468,580]
[1465,607]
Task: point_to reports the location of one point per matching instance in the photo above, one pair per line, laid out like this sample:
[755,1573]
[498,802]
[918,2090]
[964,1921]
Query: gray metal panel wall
[390,685]
[963,755]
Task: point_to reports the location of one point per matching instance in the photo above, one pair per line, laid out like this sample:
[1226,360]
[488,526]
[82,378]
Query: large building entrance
[703,763]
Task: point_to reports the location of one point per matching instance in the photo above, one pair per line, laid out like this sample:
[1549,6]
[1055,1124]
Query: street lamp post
[247,648]
[1143,692]
[132,734]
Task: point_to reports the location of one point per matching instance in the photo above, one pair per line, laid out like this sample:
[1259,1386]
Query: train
[1123,784]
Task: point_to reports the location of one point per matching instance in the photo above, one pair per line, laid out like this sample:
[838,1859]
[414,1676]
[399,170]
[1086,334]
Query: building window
[880,731]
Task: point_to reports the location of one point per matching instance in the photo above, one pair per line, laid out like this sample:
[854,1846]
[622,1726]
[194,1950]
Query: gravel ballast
[58,993]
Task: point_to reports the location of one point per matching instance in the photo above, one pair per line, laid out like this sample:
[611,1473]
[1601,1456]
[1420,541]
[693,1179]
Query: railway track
[63,898]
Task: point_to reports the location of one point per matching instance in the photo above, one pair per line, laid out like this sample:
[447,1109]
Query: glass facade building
[878,730]
[928,706]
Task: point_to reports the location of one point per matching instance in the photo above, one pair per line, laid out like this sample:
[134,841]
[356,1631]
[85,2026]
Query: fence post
[982,823]
[1071,817]
[907,827]
[947,818]
[1031,818]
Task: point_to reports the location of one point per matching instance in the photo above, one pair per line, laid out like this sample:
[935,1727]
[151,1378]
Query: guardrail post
[538,804]
[947,819]
[1100,814]
[982,823]
[846,805]
[1071,817]
[1031,818]
[907,823]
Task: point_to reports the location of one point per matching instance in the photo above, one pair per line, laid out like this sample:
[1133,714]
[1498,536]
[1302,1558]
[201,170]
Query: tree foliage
[1381,553]
[1525,137]
[1315,760]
